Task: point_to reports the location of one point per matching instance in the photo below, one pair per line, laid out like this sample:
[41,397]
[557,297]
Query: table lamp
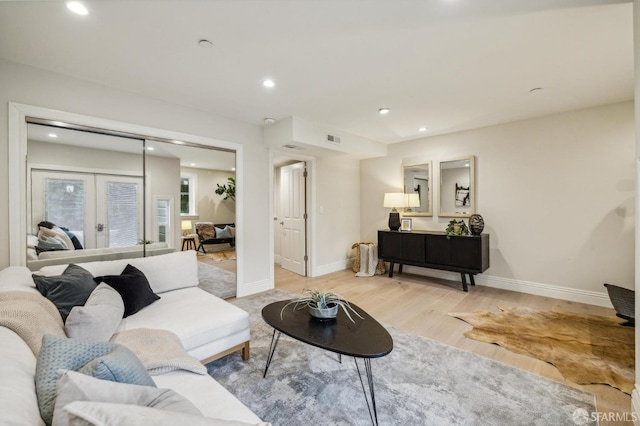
[394,200]
[413,200]
[186,227]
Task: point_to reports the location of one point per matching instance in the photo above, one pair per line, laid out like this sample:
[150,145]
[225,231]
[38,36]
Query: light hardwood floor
[420,305]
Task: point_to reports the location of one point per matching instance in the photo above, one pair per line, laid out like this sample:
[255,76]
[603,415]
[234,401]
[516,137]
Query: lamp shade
[413,200]
[394,199]
[186,225]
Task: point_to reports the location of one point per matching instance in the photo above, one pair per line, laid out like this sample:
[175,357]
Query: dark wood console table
[468,255]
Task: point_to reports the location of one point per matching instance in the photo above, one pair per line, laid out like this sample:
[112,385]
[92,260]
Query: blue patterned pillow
[101,359]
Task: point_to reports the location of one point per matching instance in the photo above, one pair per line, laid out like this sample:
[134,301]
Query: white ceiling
[449,65]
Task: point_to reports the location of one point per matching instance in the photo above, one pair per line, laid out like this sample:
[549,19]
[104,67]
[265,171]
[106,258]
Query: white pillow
[85,413]
[171,271]
[55,231]
[99,318]
[74,386]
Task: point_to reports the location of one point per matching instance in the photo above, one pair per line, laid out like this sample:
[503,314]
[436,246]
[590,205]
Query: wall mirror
[120,196]
[417,179]
[457,187]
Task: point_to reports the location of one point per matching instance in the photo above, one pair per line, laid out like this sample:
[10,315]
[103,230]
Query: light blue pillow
[223,233]
[61,353]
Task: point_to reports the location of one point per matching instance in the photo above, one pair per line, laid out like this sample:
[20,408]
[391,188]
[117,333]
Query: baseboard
[248,289]
[330,267]
[529,287]
[635,406]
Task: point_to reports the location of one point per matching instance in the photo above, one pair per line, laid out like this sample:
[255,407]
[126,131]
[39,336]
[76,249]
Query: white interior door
[119,200]
[294,214]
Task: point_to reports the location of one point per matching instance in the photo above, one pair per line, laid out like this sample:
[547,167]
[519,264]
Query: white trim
[255,287]
[76,169]
[529,287]
[17,127]
[331,267]
[635,405]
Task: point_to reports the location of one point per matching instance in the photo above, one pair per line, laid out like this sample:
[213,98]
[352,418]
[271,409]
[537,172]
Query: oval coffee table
[365,338]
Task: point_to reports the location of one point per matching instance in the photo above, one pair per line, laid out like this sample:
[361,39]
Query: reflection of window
[188,183]
[122,212]
[162,216]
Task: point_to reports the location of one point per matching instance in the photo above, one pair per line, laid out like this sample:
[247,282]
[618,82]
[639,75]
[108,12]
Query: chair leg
[245,352]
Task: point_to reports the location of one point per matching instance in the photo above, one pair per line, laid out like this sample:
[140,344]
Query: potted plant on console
[456,227]
[322,304]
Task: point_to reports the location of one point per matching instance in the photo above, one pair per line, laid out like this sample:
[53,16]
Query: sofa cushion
[17,278]
[84,413]
[74,386]
[71,354]
[100,316]
[165,272]
[70,289]
[18,402]
[187,313]
[134,288]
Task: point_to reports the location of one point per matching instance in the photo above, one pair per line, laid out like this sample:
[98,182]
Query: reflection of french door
[101,210]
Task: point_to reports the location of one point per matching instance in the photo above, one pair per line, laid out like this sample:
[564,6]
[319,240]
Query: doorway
[291,219]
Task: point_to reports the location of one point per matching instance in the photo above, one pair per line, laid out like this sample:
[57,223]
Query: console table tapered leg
[272,350]
[464,281]
[472,279]
[391,269]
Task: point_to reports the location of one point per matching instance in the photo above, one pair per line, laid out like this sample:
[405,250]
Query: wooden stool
[189,242]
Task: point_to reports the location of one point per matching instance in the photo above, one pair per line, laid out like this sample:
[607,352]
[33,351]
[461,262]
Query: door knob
[100,227]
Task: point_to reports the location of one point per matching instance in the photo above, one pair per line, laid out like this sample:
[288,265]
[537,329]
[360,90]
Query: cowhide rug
[586,349]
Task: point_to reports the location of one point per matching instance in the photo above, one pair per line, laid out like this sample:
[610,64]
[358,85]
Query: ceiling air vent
[334,139]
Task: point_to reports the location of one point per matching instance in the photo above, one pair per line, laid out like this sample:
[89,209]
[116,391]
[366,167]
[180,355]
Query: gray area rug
[421,382]
[216,281]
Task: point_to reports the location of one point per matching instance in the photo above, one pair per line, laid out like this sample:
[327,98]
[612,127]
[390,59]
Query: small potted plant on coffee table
[322,304]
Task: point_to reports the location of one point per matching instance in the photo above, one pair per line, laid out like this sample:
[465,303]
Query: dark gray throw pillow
[133,287]
[70,289]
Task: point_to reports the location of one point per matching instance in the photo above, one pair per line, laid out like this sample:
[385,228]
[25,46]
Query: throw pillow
[119,365]
[69,354]
[50,243]
[73,386]
[88,413]
[99,318]
[232,229]
[74,240]
[205,230]
[56,232]
[134,288]
[223,232]
[70,289]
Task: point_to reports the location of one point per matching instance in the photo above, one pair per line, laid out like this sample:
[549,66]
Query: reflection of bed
[48,258]
[207,233]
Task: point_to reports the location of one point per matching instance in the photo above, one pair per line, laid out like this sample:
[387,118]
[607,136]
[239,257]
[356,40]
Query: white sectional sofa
[207,326]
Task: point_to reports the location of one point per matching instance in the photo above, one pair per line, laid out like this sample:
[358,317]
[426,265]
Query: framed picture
[405,224]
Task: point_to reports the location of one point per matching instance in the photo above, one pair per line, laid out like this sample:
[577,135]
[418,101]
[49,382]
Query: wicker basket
[381,267]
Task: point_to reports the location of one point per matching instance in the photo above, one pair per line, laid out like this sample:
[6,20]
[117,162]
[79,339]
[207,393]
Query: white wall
[337,211]
[557,194]
[36,87]
[635,396]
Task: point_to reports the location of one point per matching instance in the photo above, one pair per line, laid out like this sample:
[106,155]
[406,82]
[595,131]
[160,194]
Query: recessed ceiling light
[53,135]
[77,8]
[178,142]
[150,148]
[268,83]
[269,120]
[233,169]
[204,43]
[384,111]
[422,129]
[192,164]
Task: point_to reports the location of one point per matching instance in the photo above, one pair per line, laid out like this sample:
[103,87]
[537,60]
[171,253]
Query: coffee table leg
[372,395]
[272,349]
